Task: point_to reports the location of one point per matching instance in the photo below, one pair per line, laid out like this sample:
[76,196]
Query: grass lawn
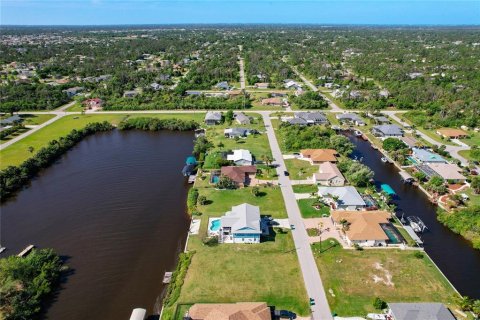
[350,274]
[36,119]
[308,211]
[300,169]
[76,107]
[474,139]
[13,135]
[304,188]
[18,152]
[270,201]
[228,273]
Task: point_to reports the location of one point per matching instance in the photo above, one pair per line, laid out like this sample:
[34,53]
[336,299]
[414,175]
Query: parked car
[286,173]
[285,314]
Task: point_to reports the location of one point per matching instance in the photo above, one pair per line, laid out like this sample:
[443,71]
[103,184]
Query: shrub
[379,304]
[192,199]
[418,255]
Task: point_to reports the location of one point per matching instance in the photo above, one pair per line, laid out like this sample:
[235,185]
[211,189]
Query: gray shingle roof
[389,129]
[347,196]
[420,311]
[213,116]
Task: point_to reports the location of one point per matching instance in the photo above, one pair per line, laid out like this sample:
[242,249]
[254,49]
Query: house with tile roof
[229,311]
[317,156]
[449,133]
[328,175]
[241,175]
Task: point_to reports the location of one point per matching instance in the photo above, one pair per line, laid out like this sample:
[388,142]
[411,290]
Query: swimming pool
[412,160]
[387,189]
[391,234]
[215,179]
[215,225]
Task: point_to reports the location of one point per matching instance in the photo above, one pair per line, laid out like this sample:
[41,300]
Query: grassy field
[474,140]
[308,211]
[36,119]
[350,275]
[268,272]
[77,107]
[300,169]
[304,188]
[18,152]
[270,201]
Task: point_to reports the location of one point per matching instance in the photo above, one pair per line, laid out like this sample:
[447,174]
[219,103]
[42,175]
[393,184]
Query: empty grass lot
[300,169]
[18,152]
[228,273]
[35,119]
[308,211]
[304,188]
[350,274]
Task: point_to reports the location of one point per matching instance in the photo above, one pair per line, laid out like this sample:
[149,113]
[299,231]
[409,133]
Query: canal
[454,255]
[114,208]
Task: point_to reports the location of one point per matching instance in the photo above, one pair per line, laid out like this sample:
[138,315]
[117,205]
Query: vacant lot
[308,211]
[36,119]
[300,169]
[357,277]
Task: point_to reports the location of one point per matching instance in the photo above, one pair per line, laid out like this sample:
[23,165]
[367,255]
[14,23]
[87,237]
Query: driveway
[311,276]
[328,229]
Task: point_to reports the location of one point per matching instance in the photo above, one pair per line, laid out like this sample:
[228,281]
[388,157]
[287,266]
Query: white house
[213,117]
[241,157]
[241,225]
[342,198]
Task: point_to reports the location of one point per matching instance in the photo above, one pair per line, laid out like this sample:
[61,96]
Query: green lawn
[468,155]
[225,273]
[304,188]
[300,169]
[350,275]
[18,152]
[270,201]
[308,211]
[474,139]
[36,119]
[77,107]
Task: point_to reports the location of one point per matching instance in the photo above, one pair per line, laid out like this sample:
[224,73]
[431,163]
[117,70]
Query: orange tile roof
[322,155]
[237,174]
[364,225]
[448,132]
[230,311]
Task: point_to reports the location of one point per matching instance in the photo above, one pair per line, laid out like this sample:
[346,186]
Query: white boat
[2,249]
[377,316]
[384,159]
[417,224]
[357,133]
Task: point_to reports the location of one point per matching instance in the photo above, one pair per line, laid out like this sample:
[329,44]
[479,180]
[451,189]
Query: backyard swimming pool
[214,225]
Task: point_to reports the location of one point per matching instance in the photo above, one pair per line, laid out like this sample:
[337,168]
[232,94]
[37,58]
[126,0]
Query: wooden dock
[167,277]
[26,251]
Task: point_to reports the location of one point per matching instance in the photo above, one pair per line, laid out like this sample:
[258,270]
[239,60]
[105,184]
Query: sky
[365,12]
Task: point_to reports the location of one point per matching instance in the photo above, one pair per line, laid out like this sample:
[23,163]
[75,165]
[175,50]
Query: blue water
[387,189]
[215,179]
[412,160]
[215,225]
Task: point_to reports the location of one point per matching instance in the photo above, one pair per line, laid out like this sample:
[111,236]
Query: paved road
[242,73]
[332,104]
[453,150]
[311,276]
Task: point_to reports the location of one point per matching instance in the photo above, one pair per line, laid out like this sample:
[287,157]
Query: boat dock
[412,234]
[191,178]
[26,251]
[167,277]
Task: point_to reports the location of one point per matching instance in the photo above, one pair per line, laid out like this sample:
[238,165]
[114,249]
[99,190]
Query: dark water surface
[454,255]
[115,207]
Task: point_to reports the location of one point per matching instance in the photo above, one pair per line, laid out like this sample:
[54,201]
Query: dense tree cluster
[356,173]
[35,96]
[155,124]
[25,282]
[465,221]
[309,100]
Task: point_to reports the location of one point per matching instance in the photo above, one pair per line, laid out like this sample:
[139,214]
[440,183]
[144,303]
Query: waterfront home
[381,120]
[261,85]
[409,141]
[222,85]
[387,130]
[352,118]
[297,121]
[241,157]
[241,118]
[425,156]
[73,91]
[317,156]
[237,132]
[328,175]
[15,119]
[449,133]
[312,118]
[273,101]
[448,171]
[242,224]
[229,311]
[213,118]
[241,175]
[363,228]
[93,104]
[419,310]
[342,198]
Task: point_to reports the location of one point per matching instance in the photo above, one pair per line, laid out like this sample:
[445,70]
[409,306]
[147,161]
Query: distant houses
[93,104]
[240,157]
[10,121]
[223,85]
[387,130]
[241,118]
[312,118]
[426,156]
[261,85]
[276,101]
[213,118]
[238,132]
[71,92]
[130,94]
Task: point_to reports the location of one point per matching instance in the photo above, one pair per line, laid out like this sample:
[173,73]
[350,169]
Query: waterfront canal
[454,255]
[114,207]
